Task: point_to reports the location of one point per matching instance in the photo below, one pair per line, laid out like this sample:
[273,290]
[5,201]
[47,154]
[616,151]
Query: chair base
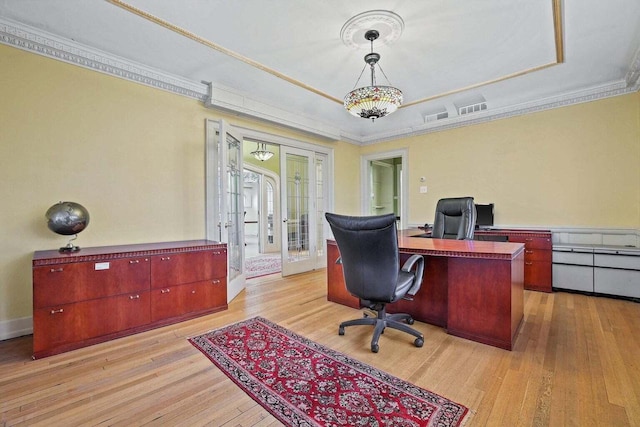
[382,321]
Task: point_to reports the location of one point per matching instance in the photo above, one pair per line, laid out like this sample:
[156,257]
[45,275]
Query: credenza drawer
[573,277]
[627,262]
[573,258]
[617,282]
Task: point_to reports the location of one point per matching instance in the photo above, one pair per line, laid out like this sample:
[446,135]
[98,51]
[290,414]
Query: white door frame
[215,198]
[365,171]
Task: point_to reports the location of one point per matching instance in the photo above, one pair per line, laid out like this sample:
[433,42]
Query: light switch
[423,189]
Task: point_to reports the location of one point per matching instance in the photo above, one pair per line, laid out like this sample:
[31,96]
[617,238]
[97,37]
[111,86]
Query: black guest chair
[371,265]
[455,219]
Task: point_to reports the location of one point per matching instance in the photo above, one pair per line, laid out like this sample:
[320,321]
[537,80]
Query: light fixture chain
[385,76]
[359,77]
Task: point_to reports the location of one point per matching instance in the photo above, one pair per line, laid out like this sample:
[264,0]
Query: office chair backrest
[369,251]
[455,219]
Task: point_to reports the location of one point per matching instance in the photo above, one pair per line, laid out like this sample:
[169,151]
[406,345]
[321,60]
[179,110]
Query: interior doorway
[384,185]
[297,229]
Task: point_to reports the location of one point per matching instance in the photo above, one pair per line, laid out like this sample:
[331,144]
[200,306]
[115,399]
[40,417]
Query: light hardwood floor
[576,363]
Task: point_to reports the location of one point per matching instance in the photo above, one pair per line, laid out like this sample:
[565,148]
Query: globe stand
[70,246]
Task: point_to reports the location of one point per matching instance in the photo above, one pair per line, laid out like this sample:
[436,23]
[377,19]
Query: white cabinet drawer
[617,282]
[574,277]
[629,262]
[574,258]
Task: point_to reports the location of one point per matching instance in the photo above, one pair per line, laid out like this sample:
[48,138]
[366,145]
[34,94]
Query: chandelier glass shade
[261,152]
[373,102]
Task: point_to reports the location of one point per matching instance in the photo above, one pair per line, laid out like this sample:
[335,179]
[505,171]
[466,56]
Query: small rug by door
[303,383]
[262,265]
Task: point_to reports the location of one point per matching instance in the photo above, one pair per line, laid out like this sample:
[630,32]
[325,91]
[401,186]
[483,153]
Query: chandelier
[261,152]
[372,102]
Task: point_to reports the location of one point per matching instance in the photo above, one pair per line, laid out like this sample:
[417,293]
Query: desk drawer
[537,255]
[533,242]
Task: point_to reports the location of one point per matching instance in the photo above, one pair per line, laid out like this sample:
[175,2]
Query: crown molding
[43,43]
[37,41]
[564,100]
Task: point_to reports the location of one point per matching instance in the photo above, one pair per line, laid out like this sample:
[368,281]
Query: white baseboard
[13,328]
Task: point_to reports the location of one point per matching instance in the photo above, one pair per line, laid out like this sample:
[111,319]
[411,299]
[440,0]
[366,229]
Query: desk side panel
[517,294]
[336,289]
[430,303]
[481,301]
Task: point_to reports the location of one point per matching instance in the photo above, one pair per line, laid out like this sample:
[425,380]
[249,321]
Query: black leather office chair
[371,265]
[455,219]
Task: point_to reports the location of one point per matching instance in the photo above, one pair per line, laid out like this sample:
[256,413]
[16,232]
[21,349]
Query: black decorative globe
[67,218]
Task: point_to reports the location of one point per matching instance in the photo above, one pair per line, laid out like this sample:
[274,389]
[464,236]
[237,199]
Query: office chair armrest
[417,261]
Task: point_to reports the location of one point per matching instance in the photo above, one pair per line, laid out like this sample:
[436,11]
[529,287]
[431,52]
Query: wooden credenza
[98,294]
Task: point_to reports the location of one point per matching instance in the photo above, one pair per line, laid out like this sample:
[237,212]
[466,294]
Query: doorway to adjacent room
[384,185]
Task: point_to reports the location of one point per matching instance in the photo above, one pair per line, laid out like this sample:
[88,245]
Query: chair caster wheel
[418,342]
[341,330]
[410,321]
[375,348]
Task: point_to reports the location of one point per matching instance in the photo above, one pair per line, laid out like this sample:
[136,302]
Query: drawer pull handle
[134,296]
[529,239]
[57,270]
[528,252]
[165,291]
[134,261]
[61,310]
[528,263]
[217,252]
[193,292]
[215,281]
[165,258]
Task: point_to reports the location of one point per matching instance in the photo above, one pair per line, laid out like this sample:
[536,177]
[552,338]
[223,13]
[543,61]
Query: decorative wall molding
[236,102]
[40,42]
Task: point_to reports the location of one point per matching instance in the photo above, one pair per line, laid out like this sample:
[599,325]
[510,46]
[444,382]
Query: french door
[224,199]
[303,196]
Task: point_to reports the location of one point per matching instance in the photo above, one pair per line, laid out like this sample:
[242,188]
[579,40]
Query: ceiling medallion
[389,26]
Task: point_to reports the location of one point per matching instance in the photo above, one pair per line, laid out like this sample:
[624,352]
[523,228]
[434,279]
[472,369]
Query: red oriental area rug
[303,383]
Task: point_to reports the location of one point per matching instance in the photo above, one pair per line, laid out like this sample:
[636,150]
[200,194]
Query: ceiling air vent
[436,116]
[473,108]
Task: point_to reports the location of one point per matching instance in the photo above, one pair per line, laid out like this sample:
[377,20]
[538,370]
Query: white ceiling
[454,47]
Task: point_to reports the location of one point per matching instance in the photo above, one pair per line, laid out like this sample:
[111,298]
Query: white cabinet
[617,273]
[606,270]
[573,269]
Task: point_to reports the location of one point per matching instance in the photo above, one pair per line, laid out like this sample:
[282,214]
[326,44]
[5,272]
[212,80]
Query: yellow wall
[134,156]
[577,166]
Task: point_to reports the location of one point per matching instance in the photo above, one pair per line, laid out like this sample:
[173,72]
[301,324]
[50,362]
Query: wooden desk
[473,289]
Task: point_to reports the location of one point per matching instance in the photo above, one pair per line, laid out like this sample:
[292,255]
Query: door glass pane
[297,207]
[320,184]
[235,213]
[270,210]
